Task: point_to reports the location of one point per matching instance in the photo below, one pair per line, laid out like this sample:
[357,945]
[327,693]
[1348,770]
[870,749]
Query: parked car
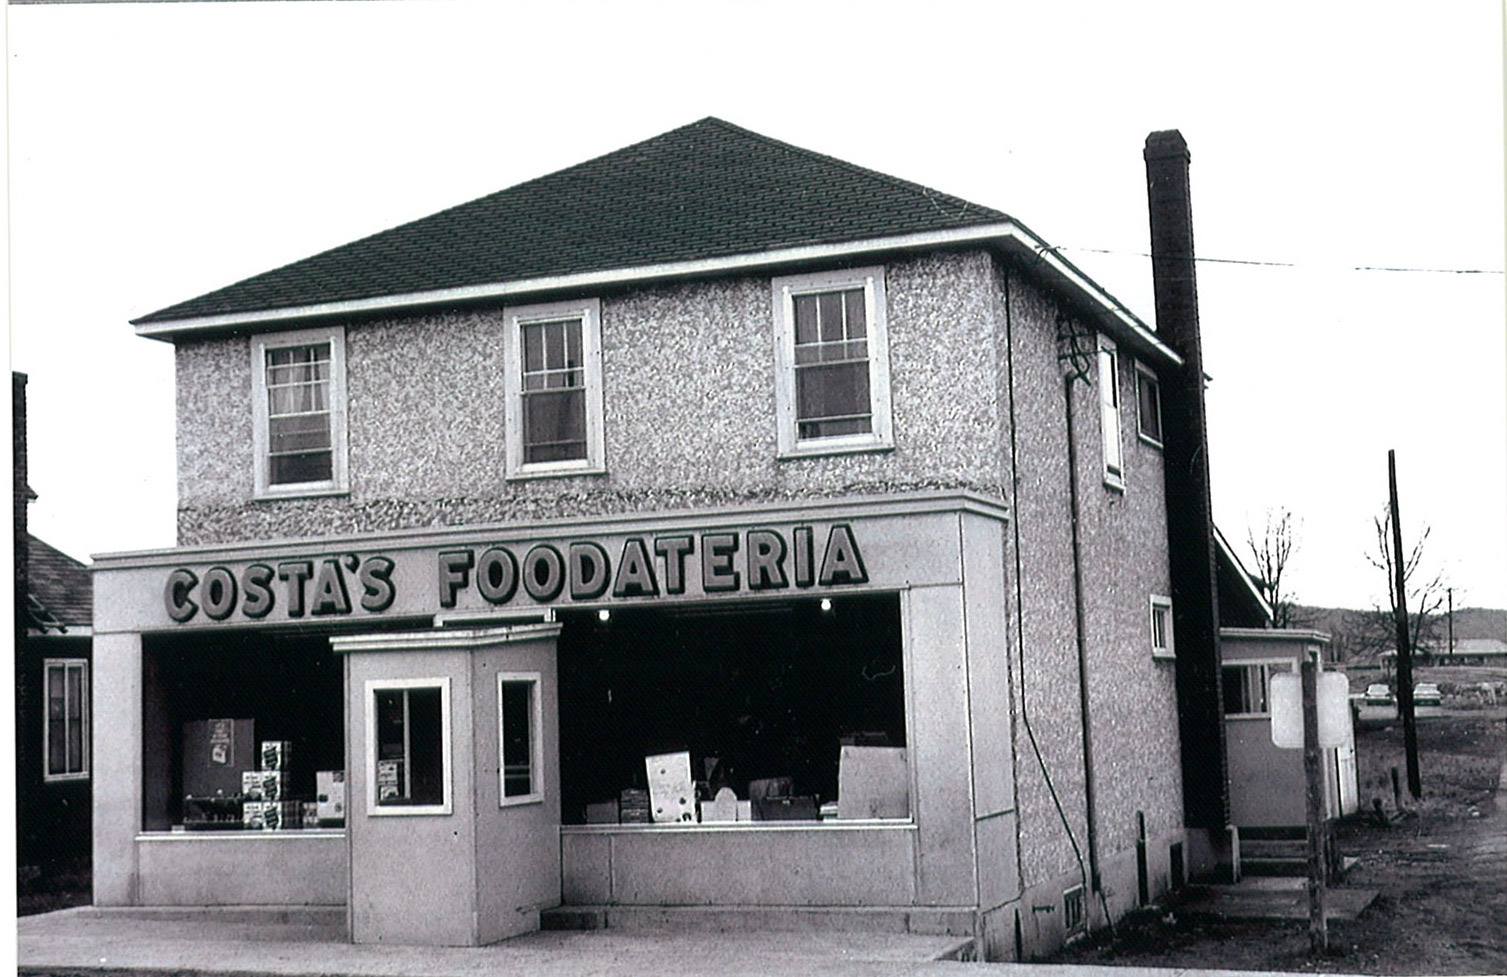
[1426,694]
[1378,694]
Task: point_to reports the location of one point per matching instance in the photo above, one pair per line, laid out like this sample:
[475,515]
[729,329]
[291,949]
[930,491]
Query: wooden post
[1318,926]
[1404,650]
[1450,591]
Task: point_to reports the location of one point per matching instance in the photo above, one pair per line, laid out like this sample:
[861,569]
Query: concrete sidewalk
[91,940]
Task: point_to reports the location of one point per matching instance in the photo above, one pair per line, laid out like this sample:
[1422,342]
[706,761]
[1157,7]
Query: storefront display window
[519,735]
[408,746]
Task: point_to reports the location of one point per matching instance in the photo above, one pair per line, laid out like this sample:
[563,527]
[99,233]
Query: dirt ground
[1441,874]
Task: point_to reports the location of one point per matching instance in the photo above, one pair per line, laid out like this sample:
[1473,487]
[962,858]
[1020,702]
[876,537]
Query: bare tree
[1425,594]
[1271,550]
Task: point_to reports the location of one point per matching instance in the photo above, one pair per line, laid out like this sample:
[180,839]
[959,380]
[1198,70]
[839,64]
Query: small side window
[1161,627]
[65,730]
[1148,397]
[1245,690]
[1074,916]
[408,746]
[519,738]
[1109,414]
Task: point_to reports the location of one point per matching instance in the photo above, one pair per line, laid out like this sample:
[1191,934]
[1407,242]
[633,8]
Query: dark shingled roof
[706,190]
[58,587]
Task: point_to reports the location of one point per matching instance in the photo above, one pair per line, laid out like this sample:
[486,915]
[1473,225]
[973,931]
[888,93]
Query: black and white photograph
[738,489]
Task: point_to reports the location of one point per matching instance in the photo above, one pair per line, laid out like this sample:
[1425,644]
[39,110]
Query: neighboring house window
[1148,398]
[1109,413]
[554,389]
[1161,627]
[1074,915]
[519,736]
[408,746]
[832,354]
[298,402]
[65,734]
[1245,688]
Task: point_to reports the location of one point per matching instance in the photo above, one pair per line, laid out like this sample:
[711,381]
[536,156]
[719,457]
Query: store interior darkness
[291,685]
[771,689]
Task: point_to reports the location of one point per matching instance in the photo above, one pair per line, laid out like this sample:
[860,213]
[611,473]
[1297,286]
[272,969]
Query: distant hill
[1353,631]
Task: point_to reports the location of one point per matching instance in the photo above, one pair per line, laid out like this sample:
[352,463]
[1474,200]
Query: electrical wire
[1290,264]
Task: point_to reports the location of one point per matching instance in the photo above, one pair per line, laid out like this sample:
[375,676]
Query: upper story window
[1148,398]
[298,401]
[832,355]
[554,389]
[65,735]
[1161,627]
[1109,413]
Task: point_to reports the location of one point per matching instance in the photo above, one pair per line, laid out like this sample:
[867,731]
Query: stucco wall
[689,381]
[1132,702]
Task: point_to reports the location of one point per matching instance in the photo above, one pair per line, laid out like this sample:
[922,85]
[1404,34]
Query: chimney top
[1166,144]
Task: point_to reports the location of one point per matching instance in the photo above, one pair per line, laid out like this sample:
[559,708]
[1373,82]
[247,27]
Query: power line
[1294,264]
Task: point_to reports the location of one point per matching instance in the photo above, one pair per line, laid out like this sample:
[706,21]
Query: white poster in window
[672,796]
[1286,706]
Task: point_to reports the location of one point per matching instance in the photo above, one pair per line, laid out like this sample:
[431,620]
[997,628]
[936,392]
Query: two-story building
[857,493]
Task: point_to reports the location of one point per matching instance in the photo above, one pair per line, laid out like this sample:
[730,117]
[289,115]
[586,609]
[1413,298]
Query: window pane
[533,347]
[1148,392]
[1233,680]
[426,746]
[831,391]
[830,305]
[54,692]
[295,469]
[573,357]
[805,318]
[297,398]
[517,734]
[857,321]
[409,747]
[554,426]
[302,432]
[554,345]
[75,699]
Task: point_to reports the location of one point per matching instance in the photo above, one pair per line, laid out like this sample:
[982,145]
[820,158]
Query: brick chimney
[1190,516]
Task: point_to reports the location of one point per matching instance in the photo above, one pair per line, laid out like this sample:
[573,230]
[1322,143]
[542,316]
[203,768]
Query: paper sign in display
[872,782]
[221,741]
[1286,702]
[672,797]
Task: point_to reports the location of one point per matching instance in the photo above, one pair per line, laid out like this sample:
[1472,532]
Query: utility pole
[1450,592]
[1313,758]
[1404,651]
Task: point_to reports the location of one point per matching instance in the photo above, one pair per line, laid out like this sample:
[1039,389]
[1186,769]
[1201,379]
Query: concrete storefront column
[116,746]
[478,867]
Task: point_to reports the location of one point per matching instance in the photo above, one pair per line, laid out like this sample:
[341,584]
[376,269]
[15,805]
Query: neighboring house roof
[700,199]
[1241,602]
[59,592]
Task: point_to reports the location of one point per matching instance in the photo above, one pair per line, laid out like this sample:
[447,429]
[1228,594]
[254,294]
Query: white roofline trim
[1245,575]
[983,233]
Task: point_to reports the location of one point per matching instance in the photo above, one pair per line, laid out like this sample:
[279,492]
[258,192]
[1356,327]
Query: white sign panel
[1286,701]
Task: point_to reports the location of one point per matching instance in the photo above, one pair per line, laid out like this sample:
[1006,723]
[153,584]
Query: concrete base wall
[271,869]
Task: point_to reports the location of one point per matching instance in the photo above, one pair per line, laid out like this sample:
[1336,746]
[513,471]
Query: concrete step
[749,919]
[314,916]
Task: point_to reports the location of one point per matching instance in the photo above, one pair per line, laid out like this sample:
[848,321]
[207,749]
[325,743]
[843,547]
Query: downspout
[1091,810]
[1020,640]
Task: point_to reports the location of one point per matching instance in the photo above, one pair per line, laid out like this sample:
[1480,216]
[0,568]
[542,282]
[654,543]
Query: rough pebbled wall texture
[688,385]
[1122,539]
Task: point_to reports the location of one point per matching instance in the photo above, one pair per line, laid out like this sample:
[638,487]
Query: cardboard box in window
[389,780]
[329,795]
[633,806]
[215,751]
[281,815]
[603,813]
[251,815]
[309,813]
[872,782]
[275,755]
[264,785]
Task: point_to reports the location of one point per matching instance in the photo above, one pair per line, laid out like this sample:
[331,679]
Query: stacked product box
[271,815]
[275,755]
[264,785]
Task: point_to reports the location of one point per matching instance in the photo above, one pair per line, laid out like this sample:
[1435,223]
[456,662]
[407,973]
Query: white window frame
[1107,363]
[515,318]
[373,686]
[1160,602]
[1079,925]
[82,664]
[535,681]
[1144,371]
[783,291]
[339,481]
[1269,667]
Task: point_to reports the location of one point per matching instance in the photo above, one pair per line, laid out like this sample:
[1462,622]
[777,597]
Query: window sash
[66,719]
[1109,413]
[1148,405]
[519,738]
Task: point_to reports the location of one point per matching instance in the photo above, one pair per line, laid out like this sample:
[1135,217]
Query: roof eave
[1010,234]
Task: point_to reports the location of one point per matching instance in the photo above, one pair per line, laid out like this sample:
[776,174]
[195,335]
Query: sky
[157,151]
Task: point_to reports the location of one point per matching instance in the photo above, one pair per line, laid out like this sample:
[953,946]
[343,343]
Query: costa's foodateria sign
[642,566]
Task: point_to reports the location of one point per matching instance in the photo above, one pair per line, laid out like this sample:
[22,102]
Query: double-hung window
[1148,398]
[554,389]
[1109,414]
[65,734]
[832,390]
[298,404]
[520,738]
[408,746]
